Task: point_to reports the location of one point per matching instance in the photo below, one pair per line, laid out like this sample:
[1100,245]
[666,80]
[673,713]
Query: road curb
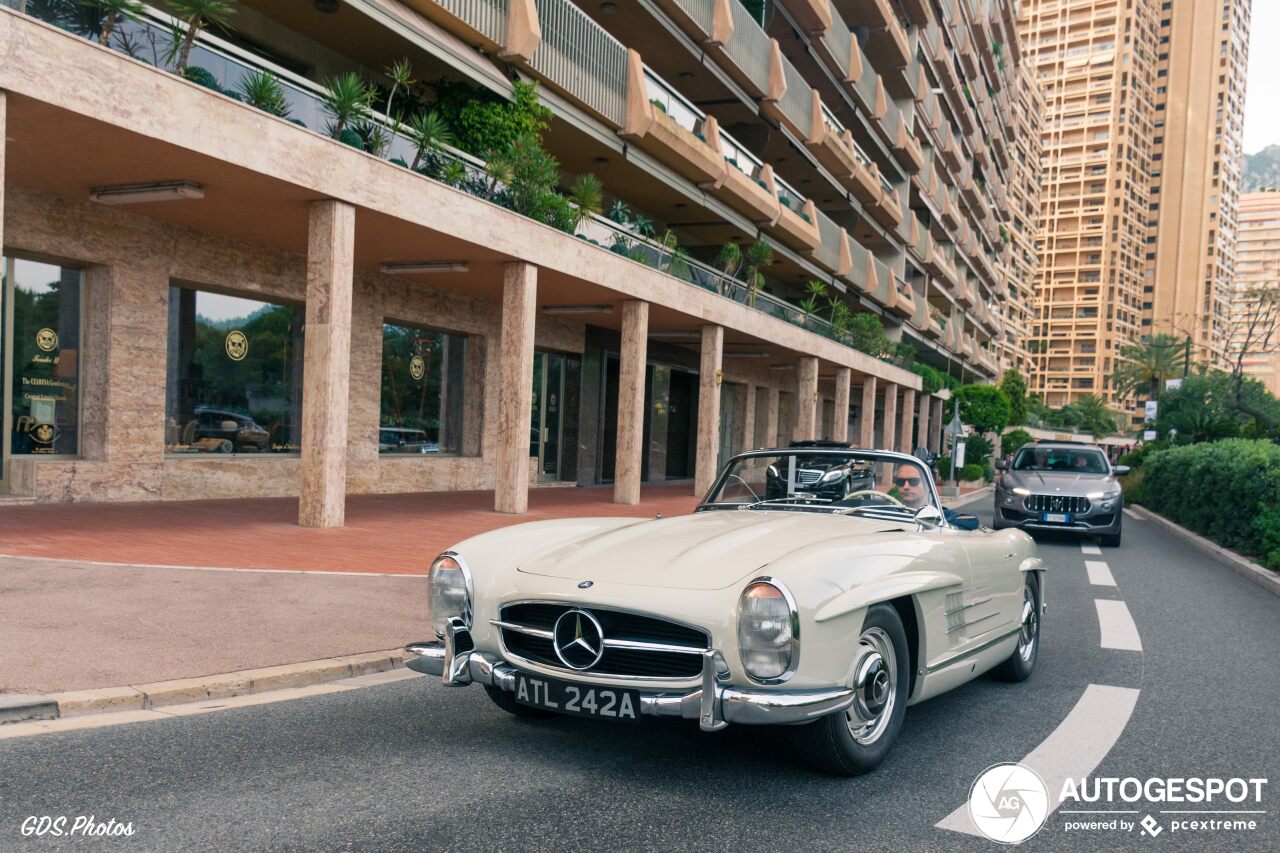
[22,707]
[962,500]
[1242,566]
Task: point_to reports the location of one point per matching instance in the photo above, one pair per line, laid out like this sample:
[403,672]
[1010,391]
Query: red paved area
[384,533]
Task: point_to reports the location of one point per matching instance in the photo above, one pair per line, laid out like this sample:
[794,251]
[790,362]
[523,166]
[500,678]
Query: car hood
[705,550]
[1059,482]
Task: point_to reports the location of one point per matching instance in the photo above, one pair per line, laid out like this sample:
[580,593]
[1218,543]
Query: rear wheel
[844,743]
[1023,660]
[507,702]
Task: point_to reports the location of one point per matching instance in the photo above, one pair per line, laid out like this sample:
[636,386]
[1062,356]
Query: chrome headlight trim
[794,615]
[467,582]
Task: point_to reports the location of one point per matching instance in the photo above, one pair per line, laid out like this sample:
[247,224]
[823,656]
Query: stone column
[908,419]
[922,420]
[710,375]
[935,425]
[771,423]
[326,370]
[747,422]
[890,419]
[630,444]
[515,389]
[840,423]
[806,399]
[867,432]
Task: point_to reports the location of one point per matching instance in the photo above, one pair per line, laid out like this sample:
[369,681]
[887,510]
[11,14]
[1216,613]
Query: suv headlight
[450,591]
[1109,495]
[835,474]
[768,631]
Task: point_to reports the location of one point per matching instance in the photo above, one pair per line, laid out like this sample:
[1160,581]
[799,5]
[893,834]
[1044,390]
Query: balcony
[833,251]
[887,209]
[695,17]
[813,16]
[745,185]
[888,46]
[936,326]
[667,126]
[919,11]
[886,292]
[839,49]
[831,143]
[862,270]
[907,148]
[950,213]
[789,99]
[796,225]
[938,263]
[904,303]
[741,46]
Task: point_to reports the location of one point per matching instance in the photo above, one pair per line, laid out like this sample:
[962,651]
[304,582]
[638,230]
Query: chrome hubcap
[1030,626]
[876,688]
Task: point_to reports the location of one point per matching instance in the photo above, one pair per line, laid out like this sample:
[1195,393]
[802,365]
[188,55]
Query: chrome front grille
[634,645]
[808,476]
[1057,503]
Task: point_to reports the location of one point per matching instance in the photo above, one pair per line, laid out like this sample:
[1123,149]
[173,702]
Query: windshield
[826,480]
[1078,460]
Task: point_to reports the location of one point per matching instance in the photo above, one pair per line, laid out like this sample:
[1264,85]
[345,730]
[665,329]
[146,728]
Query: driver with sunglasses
[909,481]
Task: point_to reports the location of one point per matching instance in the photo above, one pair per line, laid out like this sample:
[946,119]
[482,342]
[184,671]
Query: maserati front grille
[1057,503]
[633,645]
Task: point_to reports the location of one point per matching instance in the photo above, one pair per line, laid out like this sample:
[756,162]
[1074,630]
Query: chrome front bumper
[713,705]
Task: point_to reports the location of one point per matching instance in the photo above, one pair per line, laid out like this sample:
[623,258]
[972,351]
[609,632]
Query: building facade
[220,287]
[1096,62]
[1196,165]
[1255,338]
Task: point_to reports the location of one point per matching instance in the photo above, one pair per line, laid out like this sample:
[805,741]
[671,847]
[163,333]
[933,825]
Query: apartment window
[234,374]
[423,373]
[45,411]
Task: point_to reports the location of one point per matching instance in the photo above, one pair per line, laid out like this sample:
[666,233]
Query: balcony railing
[797,100]
[673,103]
[839,40]
[749,47]
[739,156]
[789,197]
[487,17]
[701,11]
[580,57]
[828,253]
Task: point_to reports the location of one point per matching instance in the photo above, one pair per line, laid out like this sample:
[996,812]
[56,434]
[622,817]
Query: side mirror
[1120,470]
[928,517]
[1001,466]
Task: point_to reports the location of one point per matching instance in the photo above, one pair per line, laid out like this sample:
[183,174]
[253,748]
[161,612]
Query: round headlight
[450,591]
[768,631]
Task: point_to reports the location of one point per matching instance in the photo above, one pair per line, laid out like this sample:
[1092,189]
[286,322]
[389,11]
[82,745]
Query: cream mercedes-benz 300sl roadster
[774,602]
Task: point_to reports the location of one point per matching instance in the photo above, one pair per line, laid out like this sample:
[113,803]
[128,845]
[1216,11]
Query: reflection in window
[45,416]
[235,375]
[422,400]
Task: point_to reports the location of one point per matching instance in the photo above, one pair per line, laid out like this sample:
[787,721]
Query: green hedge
[1226,490]
[971,471]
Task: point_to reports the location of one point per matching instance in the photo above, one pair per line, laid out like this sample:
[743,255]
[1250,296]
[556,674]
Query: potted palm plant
[198,15]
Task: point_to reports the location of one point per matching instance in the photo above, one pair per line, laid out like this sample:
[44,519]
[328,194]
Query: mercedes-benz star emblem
[578,639]
[585,585]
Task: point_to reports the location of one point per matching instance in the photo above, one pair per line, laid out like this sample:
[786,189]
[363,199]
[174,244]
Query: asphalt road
[413,765]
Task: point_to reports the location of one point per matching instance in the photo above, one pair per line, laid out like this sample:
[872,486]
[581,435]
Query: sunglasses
[906,481]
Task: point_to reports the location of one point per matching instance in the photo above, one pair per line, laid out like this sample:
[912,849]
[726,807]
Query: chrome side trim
[946,662]
[972,622]
[653,647]
[523,629]
[974,603]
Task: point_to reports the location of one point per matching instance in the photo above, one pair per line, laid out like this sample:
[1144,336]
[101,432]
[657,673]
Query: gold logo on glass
[42,433]
[417,367]
[237,345]
[47,340]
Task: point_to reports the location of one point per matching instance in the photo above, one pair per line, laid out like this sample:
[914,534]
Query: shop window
[234,380]
[44,418]
[423,373]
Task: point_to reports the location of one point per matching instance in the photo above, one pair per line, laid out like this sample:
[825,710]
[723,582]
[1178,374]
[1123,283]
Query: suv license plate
[603,703]
[1056,517]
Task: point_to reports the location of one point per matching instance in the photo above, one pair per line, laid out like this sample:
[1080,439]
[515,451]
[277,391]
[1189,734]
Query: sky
[1261,116]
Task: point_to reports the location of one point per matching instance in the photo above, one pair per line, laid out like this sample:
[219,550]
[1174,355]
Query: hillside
[1261,170]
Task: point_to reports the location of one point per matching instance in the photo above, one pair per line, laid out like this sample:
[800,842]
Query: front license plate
[605,703]
[1056,517]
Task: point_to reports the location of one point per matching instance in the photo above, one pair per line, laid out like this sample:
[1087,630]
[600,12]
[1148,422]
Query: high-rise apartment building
[1019,302]
[243,278]
[1199,127]
[1096,62]
[1257,282]
[1143,117]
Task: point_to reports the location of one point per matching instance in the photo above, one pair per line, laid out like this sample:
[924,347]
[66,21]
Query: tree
[984,407]
[113,11]
[1257,332]
[1142,367]
[1015,388]
[866,333]
[1014,439]
[1092,415]
[198,15]
[1205,407]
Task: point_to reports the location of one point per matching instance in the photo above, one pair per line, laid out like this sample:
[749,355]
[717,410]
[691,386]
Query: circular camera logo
[1008,803]
[47,340]
[417,367]
[237,345]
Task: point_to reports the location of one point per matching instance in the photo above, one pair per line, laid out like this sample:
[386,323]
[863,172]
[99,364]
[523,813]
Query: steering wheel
[872,493]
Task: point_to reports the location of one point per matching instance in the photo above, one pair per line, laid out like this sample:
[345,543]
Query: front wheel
[1112,541]
[846,744]
[1019,665]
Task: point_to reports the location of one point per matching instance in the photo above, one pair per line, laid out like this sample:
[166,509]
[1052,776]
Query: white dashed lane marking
[1118,630]
[1073,749]
[1099,573]
[1090,548]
